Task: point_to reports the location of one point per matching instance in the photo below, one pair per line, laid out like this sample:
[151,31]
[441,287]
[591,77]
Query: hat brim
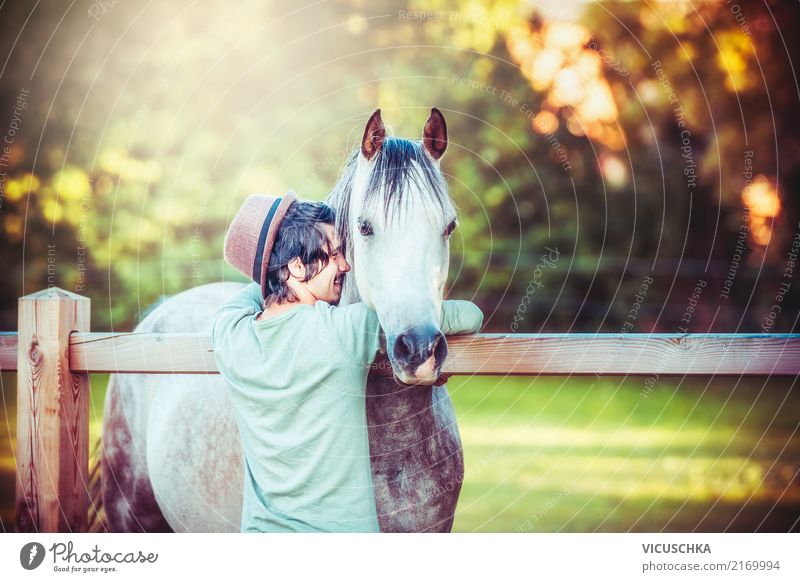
[287,201]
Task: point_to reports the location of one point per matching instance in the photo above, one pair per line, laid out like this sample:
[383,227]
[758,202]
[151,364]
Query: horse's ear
[374,135]
[434,135]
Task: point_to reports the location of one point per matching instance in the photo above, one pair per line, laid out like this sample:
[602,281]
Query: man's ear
[297,269]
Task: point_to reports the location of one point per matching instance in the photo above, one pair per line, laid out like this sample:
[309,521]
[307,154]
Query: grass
[588,454]
[596,454]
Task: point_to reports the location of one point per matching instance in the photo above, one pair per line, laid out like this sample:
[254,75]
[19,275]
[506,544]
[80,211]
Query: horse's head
[395,215]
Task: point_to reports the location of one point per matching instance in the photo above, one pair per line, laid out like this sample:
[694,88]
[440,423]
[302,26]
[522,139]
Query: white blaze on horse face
[401,268]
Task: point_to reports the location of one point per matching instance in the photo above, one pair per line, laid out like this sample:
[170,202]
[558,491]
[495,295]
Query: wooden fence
[53,353]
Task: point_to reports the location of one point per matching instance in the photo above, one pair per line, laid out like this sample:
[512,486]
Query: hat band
[262,240]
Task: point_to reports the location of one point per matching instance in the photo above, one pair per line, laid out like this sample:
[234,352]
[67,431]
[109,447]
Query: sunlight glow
[559,61]
[545,122]
[762,199]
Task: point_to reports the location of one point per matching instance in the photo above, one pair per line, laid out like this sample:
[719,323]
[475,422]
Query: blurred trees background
[594,146]
[636,138]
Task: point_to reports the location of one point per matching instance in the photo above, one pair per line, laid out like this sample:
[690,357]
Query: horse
[171,459]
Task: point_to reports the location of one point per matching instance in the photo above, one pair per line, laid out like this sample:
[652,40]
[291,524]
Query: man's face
[326,285]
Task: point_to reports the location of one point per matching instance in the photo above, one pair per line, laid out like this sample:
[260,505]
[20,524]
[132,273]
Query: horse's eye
[364,227]
[450,228]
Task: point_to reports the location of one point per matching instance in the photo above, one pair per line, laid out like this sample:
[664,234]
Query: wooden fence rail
[54,352]
[482,354]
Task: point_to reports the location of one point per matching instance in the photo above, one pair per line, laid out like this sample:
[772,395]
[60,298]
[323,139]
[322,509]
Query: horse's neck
[397,407]
[349,291]
[339,200]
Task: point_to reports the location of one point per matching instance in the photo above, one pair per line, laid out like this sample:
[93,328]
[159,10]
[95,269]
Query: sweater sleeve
[459,317]
[357,328]
[359,332]
[233,312]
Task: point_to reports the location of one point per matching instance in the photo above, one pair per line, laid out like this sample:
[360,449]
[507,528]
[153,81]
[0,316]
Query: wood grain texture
[158,353]
[481,354]
[490,354]
[52,415]
[8,351]
[626,354]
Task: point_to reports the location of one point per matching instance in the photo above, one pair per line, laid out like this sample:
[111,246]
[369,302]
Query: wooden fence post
[52,415]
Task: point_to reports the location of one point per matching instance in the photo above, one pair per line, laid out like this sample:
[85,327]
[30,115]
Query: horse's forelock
[400,164]
[339,199]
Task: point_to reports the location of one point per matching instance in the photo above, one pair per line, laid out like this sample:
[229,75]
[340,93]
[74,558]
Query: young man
[297,365]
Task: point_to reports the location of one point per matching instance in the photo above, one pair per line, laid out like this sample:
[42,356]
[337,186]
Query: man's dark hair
[302,235]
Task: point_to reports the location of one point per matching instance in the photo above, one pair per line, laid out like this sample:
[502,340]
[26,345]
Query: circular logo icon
[31,555]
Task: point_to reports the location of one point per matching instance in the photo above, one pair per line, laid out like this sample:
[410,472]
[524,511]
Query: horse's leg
[128,499]
[416,455]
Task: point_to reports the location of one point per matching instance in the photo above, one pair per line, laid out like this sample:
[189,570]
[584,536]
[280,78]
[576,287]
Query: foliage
[145,128]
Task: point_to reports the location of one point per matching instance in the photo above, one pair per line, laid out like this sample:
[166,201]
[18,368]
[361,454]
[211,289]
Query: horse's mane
[398,164]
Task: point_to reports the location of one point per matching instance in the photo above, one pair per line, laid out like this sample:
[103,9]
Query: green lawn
[586,454]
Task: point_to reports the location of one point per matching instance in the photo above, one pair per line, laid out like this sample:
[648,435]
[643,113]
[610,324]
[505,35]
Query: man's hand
[442,379]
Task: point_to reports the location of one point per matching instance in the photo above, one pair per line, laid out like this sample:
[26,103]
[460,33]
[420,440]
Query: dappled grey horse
[171,458]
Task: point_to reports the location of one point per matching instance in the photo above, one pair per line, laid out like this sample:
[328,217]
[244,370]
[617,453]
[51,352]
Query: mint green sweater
[297,382]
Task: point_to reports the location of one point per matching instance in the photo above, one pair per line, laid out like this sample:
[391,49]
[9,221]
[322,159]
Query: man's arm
[242,305]
[460,317]
[357,328]
[249,297]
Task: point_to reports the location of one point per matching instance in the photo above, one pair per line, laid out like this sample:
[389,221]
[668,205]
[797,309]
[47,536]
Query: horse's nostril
[439,348]
[404,348]
[414,349]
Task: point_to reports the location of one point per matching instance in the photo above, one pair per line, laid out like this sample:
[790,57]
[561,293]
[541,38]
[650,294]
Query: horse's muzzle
[418,354]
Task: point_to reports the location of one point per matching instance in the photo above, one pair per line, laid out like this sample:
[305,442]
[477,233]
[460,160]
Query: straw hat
[252,232]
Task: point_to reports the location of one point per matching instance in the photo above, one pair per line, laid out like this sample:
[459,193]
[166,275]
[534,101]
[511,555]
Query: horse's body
[172,460]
